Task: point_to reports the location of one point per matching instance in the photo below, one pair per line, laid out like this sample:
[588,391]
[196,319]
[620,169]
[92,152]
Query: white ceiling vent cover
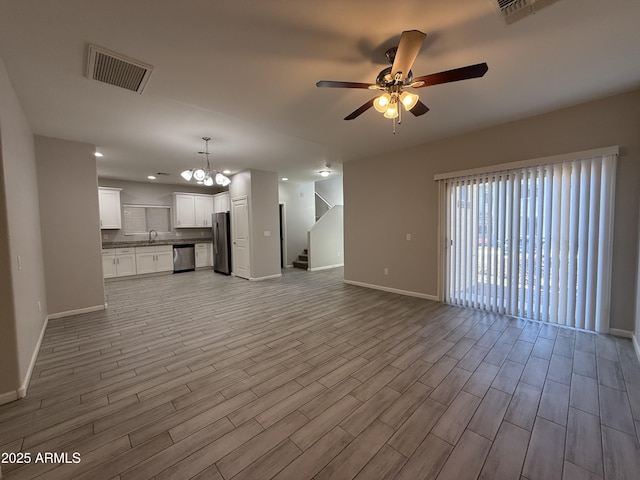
[109,67]
[514,10]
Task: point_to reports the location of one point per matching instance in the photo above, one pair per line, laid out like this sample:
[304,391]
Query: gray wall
[70,222]
[149,193]
[375,238]
[22,285]
[299,207]
[331,190]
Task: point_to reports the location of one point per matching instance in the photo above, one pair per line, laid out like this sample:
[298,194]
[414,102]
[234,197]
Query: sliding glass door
[534,242]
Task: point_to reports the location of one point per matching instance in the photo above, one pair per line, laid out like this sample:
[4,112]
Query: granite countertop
[146,243]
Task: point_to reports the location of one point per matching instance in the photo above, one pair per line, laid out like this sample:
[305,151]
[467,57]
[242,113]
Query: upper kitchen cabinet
[221,202]
[110,212]
[203,209]
[192,210]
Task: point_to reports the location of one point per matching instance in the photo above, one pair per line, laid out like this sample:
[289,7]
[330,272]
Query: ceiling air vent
[514,10]
[115,69]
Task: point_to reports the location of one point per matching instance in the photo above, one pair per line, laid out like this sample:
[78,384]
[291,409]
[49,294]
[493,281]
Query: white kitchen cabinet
[118,262]
[185,209]
[204,255]
[203,210]
[109,263]
[192,210]
[221,202]
[110,212]
[154,259]
[164,258]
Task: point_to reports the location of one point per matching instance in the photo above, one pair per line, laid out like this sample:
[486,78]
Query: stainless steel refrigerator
[221,243]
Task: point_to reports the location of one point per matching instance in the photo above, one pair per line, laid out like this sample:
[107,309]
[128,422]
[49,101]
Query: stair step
[303,257]
[300,264]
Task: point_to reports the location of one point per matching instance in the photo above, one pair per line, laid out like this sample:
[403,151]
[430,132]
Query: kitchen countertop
[146,243]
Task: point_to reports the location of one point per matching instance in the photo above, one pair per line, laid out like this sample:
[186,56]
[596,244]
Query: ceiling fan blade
[360,111]
[419,109]
[462,73]
[334,84]
[410,43]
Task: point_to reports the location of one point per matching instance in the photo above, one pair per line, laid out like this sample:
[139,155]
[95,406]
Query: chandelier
[205,175]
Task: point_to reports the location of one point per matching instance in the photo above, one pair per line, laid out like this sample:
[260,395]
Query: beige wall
[261,190]
[326,240]
[21,281]
[68,186]
[265,250]
[377,221]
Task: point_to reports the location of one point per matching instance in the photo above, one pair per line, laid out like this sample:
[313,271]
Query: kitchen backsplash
[109,236]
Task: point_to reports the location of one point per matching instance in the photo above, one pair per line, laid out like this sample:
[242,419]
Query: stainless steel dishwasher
[184,258]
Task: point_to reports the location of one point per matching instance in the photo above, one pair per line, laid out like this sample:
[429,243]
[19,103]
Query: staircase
[303,260]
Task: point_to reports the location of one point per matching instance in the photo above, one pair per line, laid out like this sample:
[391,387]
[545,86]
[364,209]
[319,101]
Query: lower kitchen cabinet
[154,259]
[204,255]
[118,262]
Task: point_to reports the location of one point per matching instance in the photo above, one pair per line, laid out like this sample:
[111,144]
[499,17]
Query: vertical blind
[533,242]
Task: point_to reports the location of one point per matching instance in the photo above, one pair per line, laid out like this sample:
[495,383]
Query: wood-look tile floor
[203,376]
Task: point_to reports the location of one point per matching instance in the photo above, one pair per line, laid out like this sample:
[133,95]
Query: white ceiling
[243,72]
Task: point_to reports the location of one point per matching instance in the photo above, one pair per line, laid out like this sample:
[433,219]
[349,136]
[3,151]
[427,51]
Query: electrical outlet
[19,262]
[39,306]
[267,233]
[386,271]
[408,237]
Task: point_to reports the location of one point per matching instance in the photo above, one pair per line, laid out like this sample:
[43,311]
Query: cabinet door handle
[114,261]
[118,261]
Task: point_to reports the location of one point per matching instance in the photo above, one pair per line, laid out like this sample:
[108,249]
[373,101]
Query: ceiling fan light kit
[393,81]
[205,175]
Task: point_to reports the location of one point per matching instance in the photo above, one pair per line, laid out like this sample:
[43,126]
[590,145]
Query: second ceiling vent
[514,10]
[109,67]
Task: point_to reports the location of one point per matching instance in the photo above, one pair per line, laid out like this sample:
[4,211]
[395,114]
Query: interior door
[240,237]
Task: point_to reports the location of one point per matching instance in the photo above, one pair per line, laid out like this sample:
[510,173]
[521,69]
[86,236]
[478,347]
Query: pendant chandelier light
[204,175]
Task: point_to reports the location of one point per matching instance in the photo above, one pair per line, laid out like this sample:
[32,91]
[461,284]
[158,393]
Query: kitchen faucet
[152,239]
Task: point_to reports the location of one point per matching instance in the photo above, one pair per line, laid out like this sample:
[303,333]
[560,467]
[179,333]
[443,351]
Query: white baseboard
[22,390]
[268,277]
[79,311]
[326,267]
[627,334]
[616,332]
[393,290]
[8,397]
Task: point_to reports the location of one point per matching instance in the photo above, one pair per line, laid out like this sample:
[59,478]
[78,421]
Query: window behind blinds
[534,241]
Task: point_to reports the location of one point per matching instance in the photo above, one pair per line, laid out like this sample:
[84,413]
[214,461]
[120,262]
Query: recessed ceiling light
[151,177]
[226,172]
[98,154]
[284,179]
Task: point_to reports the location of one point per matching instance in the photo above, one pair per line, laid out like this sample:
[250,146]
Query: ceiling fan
[394,80]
